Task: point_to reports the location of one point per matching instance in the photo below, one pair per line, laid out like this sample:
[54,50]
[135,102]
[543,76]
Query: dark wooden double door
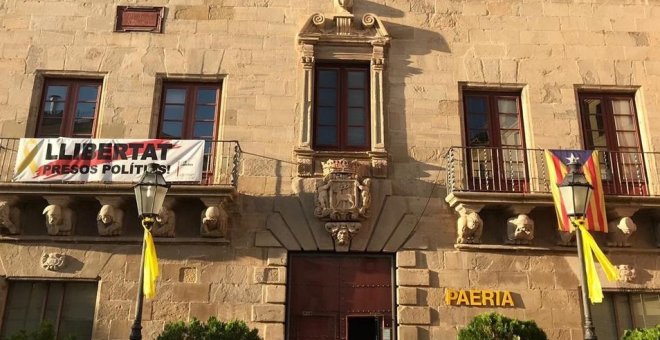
[343,297]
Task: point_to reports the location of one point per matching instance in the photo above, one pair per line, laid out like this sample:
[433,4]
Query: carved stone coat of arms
[342,196]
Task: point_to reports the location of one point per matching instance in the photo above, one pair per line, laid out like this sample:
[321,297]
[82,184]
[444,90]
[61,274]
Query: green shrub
[642,334]
[44,332]
[495,326]
[211,330]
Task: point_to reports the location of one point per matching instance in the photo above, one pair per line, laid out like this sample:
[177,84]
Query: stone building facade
[428,177]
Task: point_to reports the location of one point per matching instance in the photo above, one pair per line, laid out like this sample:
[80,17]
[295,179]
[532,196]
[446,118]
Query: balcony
[24,203]
[482,176]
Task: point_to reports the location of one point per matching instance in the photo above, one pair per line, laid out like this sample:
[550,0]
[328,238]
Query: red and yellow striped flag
[557,161]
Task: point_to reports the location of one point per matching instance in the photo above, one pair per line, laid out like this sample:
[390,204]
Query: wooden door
[325,291]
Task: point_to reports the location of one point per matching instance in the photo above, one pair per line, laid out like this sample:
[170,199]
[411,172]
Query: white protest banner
[106,160]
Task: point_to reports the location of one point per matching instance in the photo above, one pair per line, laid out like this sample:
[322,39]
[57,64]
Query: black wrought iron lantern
[150,191]
[575,190]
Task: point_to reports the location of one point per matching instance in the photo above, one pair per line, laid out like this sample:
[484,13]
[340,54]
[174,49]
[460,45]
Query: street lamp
[575,192]
[150,193]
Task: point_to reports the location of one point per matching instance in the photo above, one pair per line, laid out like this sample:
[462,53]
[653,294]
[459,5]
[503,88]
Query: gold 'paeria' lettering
[473,297]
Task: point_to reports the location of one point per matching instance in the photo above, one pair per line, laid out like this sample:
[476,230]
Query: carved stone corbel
[566,238]
[109,220]
[53,261]
[60,219]
[519,230]
[520,227]
[342,232]
[657,233]
[656,227]
[165,223]
[620,231]
[214,219]
[10,216]
[469,224]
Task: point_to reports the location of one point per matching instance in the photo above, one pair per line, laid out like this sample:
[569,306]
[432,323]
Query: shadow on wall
[412,165]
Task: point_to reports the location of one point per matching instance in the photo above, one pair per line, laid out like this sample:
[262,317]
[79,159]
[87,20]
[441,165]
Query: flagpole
[589,329]
[136,329]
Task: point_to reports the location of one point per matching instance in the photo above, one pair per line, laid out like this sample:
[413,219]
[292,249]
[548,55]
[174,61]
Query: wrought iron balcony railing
[515,170]
[221,161]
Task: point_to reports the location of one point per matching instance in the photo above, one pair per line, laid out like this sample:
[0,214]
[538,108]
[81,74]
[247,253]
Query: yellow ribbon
[150,265]
[589,249]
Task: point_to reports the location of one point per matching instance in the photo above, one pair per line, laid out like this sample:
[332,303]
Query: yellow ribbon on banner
[150,265]
[589,249]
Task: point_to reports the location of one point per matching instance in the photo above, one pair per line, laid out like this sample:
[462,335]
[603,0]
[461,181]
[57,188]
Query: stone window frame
[643,128]
[38,90]
[342,106]
[189,111]
[341,38]
[49,282]
[68,114]
[612,308]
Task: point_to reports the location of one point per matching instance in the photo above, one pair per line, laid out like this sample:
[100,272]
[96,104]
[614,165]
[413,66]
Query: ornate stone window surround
[335,38]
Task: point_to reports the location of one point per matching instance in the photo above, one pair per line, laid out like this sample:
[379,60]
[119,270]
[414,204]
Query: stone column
[413,313]
[272,279]
[378,153]
[304,150]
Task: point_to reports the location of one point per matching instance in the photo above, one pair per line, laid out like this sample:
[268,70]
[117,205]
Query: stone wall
[547,49]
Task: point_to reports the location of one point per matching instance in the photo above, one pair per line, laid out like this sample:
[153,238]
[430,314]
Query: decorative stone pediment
[343,27]
[340,37]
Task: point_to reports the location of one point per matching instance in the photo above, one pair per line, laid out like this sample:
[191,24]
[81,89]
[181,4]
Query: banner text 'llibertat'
[110,151]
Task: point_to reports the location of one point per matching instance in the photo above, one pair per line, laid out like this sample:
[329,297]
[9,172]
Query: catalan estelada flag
[557,161]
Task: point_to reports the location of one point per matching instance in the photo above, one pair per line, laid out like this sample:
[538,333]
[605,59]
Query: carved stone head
[53,214]
[520,229]
[211,217]
[106,214]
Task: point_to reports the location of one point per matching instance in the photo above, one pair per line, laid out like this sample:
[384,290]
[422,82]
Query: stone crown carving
[341,195]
